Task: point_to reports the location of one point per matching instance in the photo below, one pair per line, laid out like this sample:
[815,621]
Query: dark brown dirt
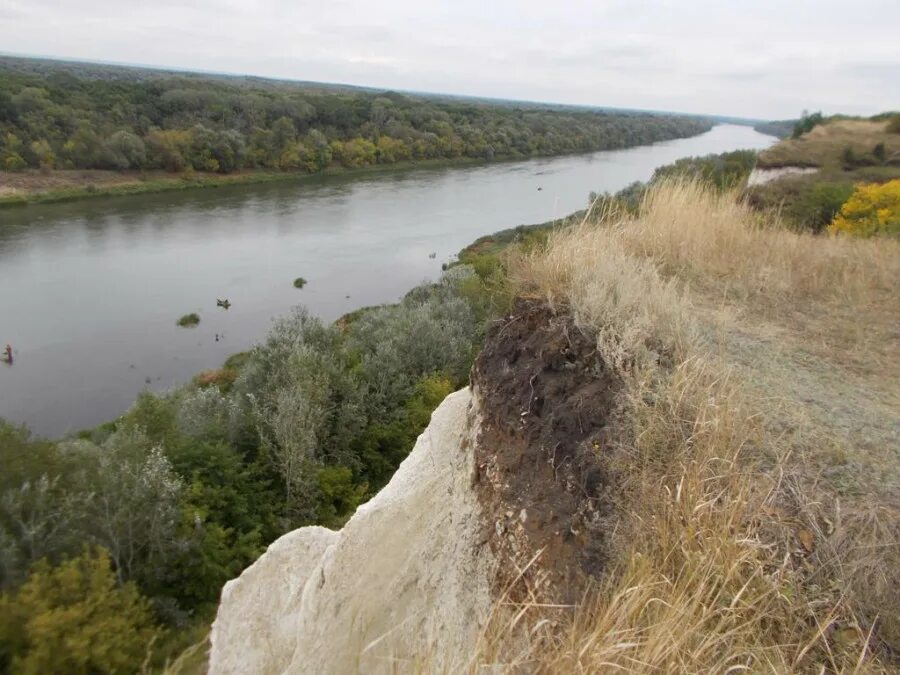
[546,400]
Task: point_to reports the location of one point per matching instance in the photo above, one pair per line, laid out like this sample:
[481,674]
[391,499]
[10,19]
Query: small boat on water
[223,303]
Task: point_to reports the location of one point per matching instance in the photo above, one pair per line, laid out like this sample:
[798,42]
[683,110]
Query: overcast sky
[756,58]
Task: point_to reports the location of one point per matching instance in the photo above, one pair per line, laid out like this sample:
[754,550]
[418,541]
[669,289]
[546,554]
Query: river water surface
[90,291]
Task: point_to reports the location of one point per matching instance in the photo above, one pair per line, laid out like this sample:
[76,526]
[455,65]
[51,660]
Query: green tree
[807,122]
[124,150]
[133,506]
[74,619]
[43,152]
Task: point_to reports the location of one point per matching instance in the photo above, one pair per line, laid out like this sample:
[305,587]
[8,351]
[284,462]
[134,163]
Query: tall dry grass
[730,555]
[694,234]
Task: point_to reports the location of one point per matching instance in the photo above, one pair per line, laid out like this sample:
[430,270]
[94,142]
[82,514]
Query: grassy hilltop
[843,154]
[753,446]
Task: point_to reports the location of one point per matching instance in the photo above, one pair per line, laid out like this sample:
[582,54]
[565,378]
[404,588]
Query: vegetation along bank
[80,119]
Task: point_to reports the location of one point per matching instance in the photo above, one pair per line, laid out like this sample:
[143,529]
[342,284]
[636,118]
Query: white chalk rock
[763,176]
[404,584]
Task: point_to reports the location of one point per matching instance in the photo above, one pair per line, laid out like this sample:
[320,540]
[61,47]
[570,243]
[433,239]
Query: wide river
[90,291]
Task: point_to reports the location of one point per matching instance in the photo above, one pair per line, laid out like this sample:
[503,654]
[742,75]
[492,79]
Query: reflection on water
[90,291]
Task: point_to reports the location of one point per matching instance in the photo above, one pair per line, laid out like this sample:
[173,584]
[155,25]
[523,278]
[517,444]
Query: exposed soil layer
[546,400]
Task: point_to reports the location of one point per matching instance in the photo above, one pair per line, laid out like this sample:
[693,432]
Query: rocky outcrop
[761,176]
[406,578]
[505,496]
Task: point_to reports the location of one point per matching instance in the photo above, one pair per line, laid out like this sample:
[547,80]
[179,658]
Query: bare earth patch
[38,181]
[546,400]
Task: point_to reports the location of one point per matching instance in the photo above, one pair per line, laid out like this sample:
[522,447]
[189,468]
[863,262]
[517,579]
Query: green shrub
[189,320]
[893,126]
[807,123]
[848,157]
[299,282]
[815,208]
[75,618]
[13,162]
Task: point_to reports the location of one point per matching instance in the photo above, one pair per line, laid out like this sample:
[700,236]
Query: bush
[872,209]
[724,171]
[189,320]
[14,162]
[807,123]
[431,331]
[815,208]
[299,282]
[848,157]
[76,619]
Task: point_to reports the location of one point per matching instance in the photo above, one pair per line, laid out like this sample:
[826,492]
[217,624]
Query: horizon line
[414,92]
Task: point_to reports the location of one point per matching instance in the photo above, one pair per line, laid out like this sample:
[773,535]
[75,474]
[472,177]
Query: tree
[807,122]
[44,154]
[284,135]
[39,518]
[321,151]
[305,403]
[168,148]
[431,331]
[74,619]
[124,150]
[133,509]
[8,112]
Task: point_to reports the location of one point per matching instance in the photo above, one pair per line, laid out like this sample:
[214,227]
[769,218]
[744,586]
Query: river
[90,291]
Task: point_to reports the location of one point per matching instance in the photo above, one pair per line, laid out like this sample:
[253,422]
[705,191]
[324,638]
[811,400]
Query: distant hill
[827,144]
[811,176]
[777,128]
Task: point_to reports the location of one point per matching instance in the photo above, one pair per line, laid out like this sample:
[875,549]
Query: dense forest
[75,116]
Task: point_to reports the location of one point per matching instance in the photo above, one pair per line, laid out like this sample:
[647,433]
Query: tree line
[53,117]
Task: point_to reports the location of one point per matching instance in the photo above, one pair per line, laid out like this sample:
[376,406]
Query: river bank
[37,187]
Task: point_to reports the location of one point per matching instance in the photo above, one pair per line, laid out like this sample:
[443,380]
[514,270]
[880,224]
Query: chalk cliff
[406,578]
[503,498]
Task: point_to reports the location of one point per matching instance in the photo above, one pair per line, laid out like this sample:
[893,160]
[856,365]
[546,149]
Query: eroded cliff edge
[404,579]
[504,497]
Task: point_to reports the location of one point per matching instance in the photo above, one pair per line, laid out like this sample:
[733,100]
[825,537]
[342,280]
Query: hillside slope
[810,177]
[681,456]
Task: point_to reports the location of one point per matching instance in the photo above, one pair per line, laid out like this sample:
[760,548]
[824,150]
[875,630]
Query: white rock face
[404,583]
[763,176]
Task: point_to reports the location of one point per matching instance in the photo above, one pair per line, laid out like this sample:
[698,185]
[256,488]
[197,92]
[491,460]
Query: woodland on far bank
[77,116]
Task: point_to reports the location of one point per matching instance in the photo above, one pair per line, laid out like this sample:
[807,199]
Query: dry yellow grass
[757,457]
[824,144]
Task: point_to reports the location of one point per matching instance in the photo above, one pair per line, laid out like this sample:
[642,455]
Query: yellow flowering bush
[872,209]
